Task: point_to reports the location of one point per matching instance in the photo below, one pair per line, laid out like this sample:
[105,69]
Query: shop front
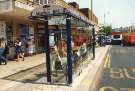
[11,30]
[40,37]
[6,32]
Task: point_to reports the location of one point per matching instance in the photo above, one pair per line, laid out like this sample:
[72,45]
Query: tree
[108,30]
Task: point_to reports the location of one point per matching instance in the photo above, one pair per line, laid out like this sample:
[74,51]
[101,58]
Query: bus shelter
[67,33]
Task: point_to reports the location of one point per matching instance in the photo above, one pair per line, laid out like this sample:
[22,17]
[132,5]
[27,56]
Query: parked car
[108,40]
[101,40]
[116,38]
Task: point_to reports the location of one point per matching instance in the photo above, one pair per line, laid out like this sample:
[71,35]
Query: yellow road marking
[131,89]
[133,70]
[127,89]
[116,73]
[109,62]
[108,88]
[106,61]
[127,74]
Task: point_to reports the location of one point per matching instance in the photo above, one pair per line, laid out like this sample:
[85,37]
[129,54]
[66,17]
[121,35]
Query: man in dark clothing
[2,50]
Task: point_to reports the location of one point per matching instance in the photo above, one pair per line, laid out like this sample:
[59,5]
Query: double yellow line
[107,62]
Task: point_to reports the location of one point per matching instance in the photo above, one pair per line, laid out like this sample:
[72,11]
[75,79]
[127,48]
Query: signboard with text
[2,29]
[47,10]
[6,6]
[57,9]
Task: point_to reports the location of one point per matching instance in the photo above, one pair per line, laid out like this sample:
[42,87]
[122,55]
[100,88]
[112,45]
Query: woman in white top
[30,47]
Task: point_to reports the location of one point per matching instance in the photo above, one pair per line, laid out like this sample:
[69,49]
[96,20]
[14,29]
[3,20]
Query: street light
[93,31]
[91,9]
[105,17]
[105,23]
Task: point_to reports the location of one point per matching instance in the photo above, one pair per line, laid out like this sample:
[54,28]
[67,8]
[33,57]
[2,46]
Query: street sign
[57,21]
[6,6]
[47,10]
[58,9]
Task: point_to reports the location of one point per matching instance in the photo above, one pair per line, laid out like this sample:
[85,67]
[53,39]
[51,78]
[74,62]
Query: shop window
[9,32]
[42,2]
[36,1]
[45,1]
[24,33]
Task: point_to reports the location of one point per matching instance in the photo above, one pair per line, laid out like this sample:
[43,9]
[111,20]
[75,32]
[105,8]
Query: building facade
[15,22]
[87,12]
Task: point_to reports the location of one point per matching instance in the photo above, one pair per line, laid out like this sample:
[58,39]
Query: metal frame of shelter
[44,13]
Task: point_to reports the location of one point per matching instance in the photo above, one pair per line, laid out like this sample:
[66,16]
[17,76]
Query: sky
[118,13]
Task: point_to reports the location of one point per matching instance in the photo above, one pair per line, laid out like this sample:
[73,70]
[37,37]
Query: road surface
[119,70]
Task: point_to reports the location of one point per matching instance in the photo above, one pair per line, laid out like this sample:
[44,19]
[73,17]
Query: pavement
[119,70]
[13,67]
[86,81]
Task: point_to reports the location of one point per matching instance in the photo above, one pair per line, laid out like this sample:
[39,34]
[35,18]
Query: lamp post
[91,9]
[105,23]
[93,31]
[105,17]
[104,20]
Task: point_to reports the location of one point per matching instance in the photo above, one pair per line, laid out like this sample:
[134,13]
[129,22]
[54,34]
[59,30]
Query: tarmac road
[119,70]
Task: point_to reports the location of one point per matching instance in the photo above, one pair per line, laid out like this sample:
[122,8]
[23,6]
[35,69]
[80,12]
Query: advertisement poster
[31,32]
[2,29]
[51,40]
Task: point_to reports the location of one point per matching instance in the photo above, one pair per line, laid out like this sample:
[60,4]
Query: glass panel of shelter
[58,55]
[81,46]
[81,49]
[81,37]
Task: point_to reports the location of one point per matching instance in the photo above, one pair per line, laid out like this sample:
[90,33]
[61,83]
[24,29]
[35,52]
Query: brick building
[87,12]
[15,22]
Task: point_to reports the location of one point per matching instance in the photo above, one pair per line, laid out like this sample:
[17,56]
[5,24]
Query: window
[116,36]
[36,1]
[43,2]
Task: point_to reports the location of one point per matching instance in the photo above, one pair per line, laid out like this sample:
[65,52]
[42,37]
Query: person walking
[2,51]
[6,51]
[30,47]
[19,52]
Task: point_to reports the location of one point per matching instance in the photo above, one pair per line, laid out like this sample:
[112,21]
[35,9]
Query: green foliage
[88,32]
[107,30]
[75,34]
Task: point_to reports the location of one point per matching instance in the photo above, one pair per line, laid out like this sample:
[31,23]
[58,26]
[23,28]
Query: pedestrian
[2,51]
[19,51]
[30,47]
[62,47]
[76,60]
[34,46]
[6,51]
